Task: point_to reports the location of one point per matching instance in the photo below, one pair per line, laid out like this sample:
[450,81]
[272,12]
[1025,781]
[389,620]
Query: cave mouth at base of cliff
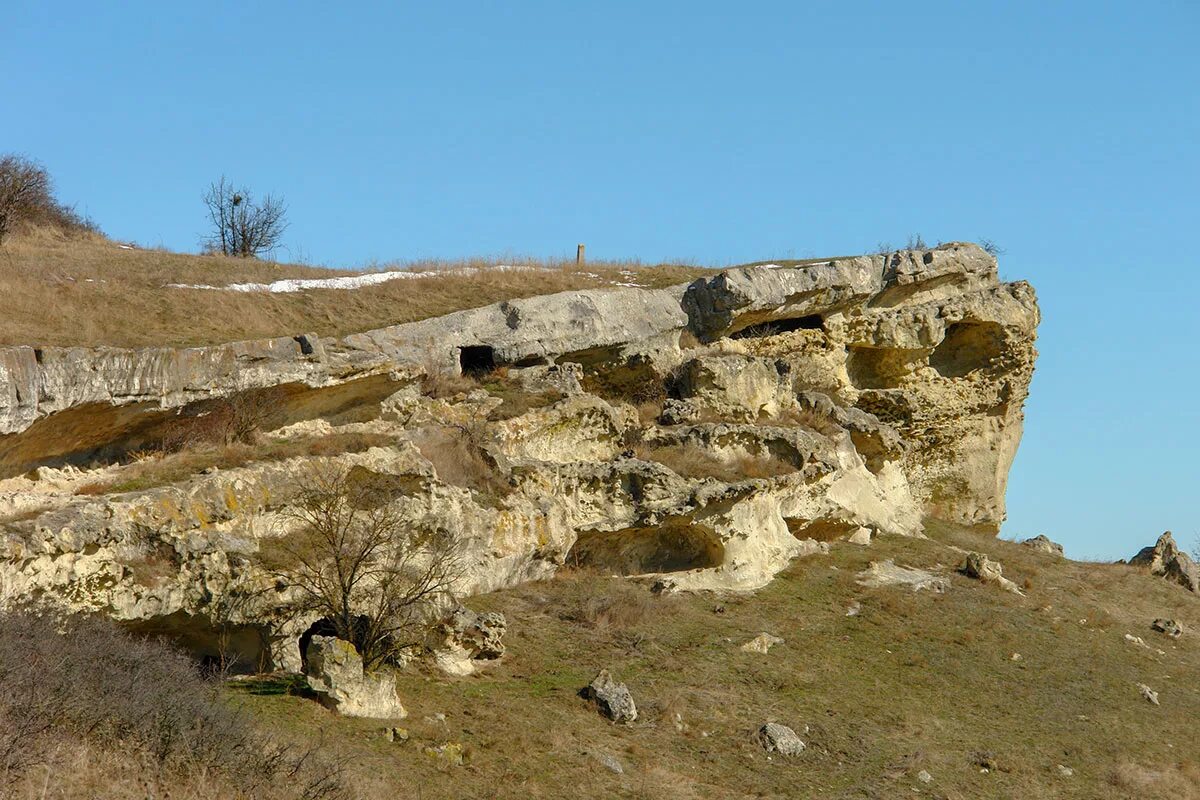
[219,648]
[642,551]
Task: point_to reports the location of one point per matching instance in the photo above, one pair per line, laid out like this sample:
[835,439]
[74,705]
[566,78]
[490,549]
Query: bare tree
[240,226]
[24,191]
[355,561]
[991,248]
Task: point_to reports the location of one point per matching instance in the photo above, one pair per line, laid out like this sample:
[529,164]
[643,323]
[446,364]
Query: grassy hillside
[84,289]
[915,681]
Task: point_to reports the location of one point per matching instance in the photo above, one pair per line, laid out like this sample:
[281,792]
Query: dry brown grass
[459,459]
[697,462]
[171,468]
[57,289]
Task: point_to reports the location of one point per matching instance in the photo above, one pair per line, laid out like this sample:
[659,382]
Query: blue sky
[1066,132]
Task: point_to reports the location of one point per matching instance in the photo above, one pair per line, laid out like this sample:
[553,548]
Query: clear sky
[718,132]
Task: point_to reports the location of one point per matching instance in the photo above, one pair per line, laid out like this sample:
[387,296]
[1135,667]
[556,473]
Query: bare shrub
[240,226]
[357,563]
[915,242]
[459,458]
[82,677]
[441,381]
[991,248]
[237,418]
[604,603]
[27,196]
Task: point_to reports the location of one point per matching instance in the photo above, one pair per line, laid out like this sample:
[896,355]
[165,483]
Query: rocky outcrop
[1043,544]
[1167,560]
[464,639]
[802,405]
[335,673]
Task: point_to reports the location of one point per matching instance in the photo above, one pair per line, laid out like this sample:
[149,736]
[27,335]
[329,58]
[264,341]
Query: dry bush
[515,399]
[237,418]
[442,381]
[82,678]
[1172,782]
[600,602]
[690,461]
[240,226]
[27,199]
[631,385]
[459,458]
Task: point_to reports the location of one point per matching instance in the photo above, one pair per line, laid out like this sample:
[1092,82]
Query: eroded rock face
[879,389]
[335,673]
[1166,559]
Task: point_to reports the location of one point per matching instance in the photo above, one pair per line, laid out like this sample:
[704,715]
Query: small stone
[609,762]
[1148,693]
[1065,772]
[1170,627]
[396,734]
[776,738]
[613,699]
[761,643]
[1139,641]
[924,777]
[450,753]
[1042,543]
[854,609]
[1015,657]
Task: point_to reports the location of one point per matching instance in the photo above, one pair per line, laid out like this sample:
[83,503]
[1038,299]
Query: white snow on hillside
[348,282]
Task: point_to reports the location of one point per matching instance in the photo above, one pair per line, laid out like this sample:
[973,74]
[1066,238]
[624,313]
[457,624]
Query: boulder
[1166,559]
[1170,627]
[465,637]
[613,699]
[781,739]
[982,568]
[1043,544]
[335,672]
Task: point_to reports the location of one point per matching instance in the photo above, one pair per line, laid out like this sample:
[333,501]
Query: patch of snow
[290,285]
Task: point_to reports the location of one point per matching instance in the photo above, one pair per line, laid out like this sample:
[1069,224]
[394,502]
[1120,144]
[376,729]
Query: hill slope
[66,290]
[914,681]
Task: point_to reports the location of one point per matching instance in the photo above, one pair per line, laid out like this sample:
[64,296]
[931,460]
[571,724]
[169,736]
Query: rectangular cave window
[476,360]
[810,322]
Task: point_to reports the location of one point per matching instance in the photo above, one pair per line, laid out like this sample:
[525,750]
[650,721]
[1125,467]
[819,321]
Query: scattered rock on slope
[776,738]
[335,673]
[1042,543]
[761,643]
[1166,559]
[613,699]
[887,573]
[1149,694]
[982,568]
[1170,627]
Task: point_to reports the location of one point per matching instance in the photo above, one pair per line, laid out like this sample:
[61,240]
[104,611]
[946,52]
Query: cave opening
[642,551]
[809,322]
[476,360]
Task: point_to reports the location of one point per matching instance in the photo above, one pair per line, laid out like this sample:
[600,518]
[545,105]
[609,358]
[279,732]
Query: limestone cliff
[780,407]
